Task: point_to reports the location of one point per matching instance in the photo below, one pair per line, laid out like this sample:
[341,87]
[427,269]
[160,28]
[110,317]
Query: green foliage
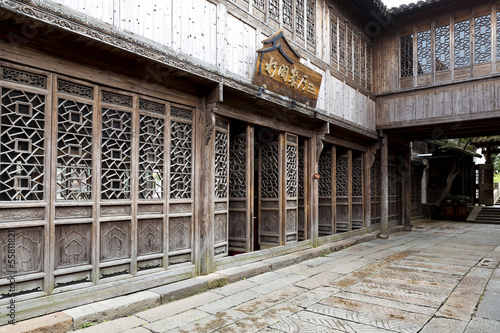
[85,325]
[462,143]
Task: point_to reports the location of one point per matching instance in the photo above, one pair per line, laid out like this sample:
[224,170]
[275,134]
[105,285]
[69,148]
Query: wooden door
[270,193]
[290,192]
[241,160]
[303,183]
[486,184]
[221,187]
[326,192]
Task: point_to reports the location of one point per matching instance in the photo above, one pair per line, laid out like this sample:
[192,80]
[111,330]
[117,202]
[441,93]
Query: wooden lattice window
[342,176]
[363,61]
[311,22]
[270,171]
[288,13]
[442,48]
[424,52]
[181,145]
[342,48]
[325,170]
[349,50]
[116,137]
[406,56]
[22,142]
[498,35]
[221,161]
[151,157]
[74,145]
[482,39]
[238,167]
[462,44]
[357,177]
[334,38]
[299,17]
[369,49]
[274,9]
[291,167]
[259,4]
[301,168]
[356,56]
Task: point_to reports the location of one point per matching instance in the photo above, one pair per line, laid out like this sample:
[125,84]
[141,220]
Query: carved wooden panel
[482,39]
[116,150]
[179,233]
[238,167]
[270,221]
[291,171]
[115,210]
[145,105]
[22,77]
[151,160]
[74,150]
[116,99]
[150,236]
[149,209]
[406,56]
[71,88]
[462,44]
[22,145]
[220,228]
[73,212]
[115,240]
[180,160]
[237,224]
[179,208]
[23,214]
[291,220]
[73,245]
[27,244]
[221,164]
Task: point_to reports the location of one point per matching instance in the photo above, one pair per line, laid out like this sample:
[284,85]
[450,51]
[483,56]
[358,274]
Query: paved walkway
[441,277]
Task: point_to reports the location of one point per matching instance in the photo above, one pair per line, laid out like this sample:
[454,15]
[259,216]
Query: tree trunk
[455,171]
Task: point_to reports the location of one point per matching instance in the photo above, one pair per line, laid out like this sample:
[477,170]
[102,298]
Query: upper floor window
[443,48]
[407,56]
[424,52]
[482,39]
[462,44]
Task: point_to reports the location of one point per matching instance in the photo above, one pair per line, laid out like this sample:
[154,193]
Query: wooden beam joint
[212,100]
[320,137]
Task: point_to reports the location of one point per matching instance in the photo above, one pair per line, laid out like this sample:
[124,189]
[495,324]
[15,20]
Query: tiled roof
[417,6]
[482,141]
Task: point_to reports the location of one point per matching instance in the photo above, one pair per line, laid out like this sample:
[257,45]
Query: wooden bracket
[212,100]
[372,151]
[320,136]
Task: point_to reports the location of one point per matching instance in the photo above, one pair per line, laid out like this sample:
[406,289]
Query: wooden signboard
[280,70]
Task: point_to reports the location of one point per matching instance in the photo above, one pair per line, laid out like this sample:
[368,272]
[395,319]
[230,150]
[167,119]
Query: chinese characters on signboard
[280,69]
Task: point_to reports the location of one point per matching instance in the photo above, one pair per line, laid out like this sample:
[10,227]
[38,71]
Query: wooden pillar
[314,189]
[384,188]
[367,195]
[407,188]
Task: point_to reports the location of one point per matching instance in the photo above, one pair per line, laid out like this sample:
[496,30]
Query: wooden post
[367,195]
[407,188]
[384,188]
[314,156]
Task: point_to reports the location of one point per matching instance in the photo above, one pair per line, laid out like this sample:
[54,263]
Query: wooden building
[139,147]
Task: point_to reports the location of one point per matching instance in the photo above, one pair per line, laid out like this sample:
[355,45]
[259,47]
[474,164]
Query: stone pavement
[440,277]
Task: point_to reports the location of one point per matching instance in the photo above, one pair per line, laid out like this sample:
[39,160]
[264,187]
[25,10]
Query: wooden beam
[384,188]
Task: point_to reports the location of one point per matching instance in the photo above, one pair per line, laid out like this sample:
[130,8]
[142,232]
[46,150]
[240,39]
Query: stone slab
[269,300]
[444,325]
[235,287]
[276,284]
[489,306]
[282,261]
[113,308]
[480,325]
[229,301]
[266,277]
[137,330]
[179,306]
[210,323]
[177,320]
[318,280]
[459,305]
[181,289]
[115,326]
[234,274]
[58,322]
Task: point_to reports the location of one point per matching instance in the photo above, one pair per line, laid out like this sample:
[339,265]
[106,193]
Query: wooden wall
[226,35]
[453,91]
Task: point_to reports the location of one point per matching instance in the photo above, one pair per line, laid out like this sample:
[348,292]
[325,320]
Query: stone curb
[129,304]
